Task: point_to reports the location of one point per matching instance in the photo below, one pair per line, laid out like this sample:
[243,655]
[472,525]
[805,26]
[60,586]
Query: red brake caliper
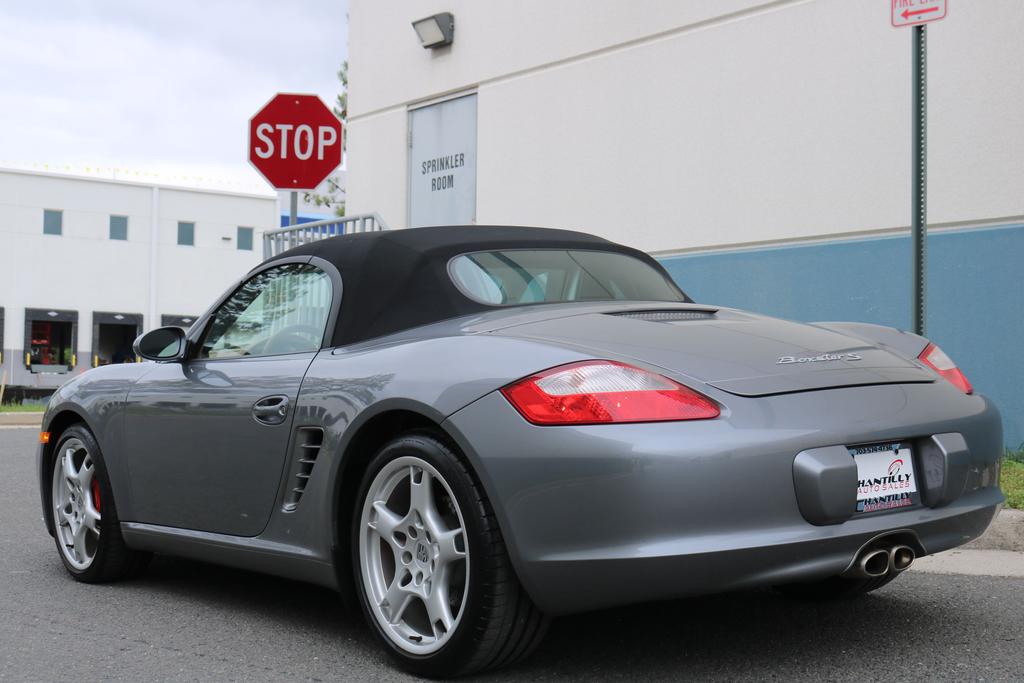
[96,494]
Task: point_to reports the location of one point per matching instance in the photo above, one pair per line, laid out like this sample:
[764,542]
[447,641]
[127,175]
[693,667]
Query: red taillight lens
[937,360]
[603,391]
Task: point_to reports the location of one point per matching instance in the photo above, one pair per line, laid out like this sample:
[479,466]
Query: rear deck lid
[737,352]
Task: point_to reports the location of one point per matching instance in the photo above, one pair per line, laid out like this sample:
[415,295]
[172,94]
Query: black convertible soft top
[398,279]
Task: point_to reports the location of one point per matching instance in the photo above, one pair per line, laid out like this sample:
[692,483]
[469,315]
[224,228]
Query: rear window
[530,276]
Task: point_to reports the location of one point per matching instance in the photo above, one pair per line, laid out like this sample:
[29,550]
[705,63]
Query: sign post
[917,13]
[919,178]
[295,142]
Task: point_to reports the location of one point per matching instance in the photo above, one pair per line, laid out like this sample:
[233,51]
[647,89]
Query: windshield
[530,276]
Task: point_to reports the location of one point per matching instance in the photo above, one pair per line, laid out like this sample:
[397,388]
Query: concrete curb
[1005,533]
[999,551]
[21,419]
[973,563]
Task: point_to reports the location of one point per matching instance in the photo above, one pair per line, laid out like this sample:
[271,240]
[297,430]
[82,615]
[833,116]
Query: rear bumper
[707,565]
[613,514]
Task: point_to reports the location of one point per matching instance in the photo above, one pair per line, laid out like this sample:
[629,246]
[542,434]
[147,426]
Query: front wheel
[432,572]
[85,523]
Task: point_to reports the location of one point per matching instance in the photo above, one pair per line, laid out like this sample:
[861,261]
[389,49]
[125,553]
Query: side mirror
[164,344]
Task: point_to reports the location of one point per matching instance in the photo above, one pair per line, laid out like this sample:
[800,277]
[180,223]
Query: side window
[281,310]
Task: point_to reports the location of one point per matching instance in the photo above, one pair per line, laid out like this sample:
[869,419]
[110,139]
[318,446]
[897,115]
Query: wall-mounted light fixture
[436,31]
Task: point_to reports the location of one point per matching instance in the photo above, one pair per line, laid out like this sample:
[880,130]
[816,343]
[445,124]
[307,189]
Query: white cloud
[161,87]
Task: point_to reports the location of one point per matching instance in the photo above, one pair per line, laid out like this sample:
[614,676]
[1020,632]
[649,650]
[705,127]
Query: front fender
[96,398]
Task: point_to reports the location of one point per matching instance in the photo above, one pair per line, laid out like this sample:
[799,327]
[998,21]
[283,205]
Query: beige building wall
[689,124]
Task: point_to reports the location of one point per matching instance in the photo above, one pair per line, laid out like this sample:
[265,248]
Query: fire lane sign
[916,12]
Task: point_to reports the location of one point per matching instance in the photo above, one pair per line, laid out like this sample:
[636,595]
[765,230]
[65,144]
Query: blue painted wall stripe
[975,295]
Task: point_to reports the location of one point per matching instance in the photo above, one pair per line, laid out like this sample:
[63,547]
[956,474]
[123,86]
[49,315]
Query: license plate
[885,477]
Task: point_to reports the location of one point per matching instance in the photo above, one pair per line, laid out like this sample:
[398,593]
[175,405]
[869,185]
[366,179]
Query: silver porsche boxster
[468,430]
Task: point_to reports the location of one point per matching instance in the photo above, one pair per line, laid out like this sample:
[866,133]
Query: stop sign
[295,141]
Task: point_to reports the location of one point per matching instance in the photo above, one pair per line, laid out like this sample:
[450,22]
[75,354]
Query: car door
[207,437]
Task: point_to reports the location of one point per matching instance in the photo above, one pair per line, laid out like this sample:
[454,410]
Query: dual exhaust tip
[876,562]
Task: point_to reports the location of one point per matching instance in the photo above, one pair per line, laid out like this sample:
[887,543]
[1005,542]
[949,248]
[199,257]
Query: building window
[119,227]
[186,233]
[53,222]
[244,239]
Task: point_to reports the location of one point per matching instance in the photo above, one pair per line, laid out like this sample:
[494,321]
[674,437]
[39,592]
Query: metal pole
[151,321]
[293,213]
[919,178]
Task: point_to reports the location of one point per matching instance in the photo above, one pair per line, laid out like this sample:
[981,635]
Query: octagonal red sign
[295,141]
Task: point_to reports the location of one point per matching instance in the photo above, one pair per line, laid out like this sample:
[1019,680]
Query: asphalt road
[187,621]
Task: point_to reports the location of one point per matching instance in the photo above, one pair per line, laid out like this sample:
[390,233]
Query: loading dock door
[50,340]
[442,163]
[182,321]
[112,337]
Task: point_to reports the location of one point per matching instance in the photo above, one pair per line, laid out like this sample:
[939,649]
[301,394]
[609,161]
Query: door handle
[270,410]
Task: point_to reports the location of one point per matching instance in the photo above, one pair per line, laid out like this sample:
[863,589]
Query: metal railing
[282,239]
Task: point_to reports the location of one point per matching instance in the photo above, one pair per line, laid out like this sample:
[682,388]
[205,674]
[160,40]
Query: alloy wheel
[414,555]
[76,504]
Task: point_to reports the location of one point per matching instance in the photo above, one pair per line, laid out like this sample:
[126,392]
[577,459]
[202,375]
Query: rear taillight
[603,391]
[937,360]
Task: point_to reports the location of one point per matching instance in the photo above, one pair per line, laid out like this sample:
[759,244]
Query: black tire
[834,588]
[113,559]
[500,625]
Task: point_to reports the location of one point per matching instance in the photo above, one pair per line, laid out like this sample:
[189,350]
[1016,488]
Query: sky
[158,88]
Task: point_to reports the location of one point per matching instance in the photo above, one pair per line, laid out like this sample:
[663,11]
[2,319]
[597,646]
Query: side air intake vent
[667,316]
[308,441]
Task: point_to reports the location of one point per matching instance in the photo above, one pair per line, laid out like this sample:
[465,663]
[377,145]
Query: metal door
[442,163]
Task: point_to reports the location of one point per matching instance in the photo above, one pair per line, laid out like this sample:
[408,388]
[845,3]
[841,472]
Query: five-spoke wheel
[77,503]
[432,572]
[414,545]
[83,512]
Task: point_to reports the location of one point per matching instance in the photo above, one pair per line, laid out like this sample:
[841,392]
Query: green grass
[1012,478]
[22,407]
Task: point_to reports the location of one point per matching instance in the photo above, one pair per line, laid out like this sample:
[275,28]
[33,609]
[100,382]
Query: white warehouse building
[86,264]
[761,149]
